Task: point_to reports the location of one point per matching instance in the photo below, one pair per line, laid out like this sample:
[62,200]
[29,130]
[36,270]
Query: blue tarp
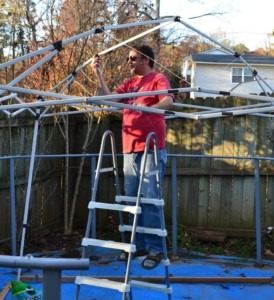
[209,267]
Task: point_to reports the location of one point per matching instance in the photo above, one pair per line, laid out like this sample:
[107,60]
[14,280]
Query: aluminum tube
[75,99]
[8,97]
[30,262]
[173,279]
[34,92]
[82,35]
[207,36]
[124,42]
[258,213]
[33,68]
[12,208]
[52,285]
[239,95]
[224,47]
[29,188]
[18,111]
[71,77]
[234,112]
[150,110]
[174,203]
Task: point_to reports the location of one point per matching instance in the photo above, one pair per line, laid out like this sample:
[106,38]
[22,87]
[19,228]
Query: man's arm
[166,103]
[96,67]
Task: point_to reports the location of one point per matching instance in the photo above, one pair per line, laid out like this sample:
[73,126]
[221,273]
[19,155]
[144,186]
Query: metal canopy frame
[47,99]
[91,103]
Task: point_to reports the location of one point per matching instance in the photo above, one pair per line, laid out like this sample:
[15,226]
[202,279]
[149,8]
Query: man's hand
[96,64]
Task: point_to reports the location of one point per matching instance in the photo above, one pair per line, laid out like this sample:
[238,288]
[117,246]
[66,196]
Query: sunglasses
[132,58]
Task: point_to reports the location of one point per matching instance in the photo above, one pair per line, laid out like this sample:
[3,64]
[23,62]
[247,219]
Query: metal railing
[173,158]
[51,267]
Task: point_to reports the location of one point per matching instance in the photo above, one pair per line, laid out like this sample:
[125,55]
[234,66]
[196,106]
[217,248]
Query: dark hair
[146,51]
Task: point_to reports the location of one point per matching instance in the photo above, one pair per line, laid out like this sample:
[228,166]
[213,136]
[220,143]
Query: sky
[243,21]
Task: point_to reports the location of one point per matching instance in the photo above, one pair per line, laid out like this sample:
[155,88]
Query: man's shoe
[152,260]
[124,255]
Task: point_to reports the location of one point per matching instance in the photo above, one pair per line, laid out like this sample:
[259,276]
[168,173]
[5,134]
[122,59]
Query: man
[135,128]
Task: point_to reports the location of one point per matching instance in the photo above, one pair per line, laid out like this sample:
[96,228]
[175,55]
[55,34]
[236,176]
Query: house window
[242,75]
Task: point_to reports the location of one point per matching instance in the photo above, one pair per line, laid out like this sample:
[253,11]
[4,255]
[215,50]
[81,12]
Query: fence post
[174,204]
[93,168]
[258,214]
[12,208]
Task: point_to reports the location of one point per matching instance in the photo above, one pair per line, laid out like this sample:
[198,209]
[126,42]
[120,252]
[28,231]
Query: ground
[51,242]
[54,241]
[228,246]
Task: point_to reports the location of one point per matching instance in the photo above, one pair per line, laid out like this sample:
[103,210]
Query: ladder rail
[134,209]
[151,138]
[98,171]
[100,160]
[92,213]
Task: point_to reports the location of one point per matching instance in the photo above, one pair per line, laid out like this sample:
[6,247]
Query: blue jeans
[150,216]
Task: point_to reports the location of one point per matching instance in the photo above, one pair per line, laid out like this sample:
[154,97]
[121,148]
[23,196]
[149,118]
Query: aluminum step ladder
[132,206]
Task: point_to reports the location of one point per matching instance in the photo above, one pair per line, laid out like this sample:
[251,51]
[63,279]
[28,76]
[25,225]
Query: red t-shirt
[136,124]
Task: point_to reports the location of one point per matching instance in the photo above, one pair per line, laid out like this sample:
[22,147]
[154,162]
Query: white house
[219,70]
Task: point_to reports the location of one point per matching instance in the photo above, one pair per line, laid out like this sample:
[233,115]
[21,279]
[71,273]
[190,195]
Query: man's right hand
[96,64]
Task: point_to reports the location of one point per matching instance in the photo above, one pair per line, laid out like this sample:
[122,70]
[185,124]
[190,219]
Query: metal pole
[12,208]
[51,270]
[83,35]
[33,68]
[28,194]
[68,99]
[52,285]
[226,48]
[258,214]
[173,279]
[174,204]
[93,224]
[93,168]
[127,41]
[36,93]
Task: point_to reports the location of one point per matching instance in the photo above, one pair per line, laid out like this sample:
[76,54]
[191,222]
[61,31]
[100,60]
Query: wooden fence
[212,193]
[219,192]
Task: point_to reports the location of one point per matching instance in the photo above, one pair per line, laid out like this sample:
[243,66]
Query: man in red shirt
[135,129]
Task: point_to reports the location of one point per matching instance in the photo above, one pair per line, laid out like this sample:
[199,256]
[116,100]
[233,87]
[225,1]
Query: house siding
[210,77]
[213,71]
[218,78]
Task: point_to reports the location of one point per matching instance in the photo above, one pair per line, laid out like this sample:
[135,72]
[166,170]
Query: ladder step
[157,231]
[151,173]
[151,286]
[109,244]
[118,207]
[155,201]
[104,170]
[104,283]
